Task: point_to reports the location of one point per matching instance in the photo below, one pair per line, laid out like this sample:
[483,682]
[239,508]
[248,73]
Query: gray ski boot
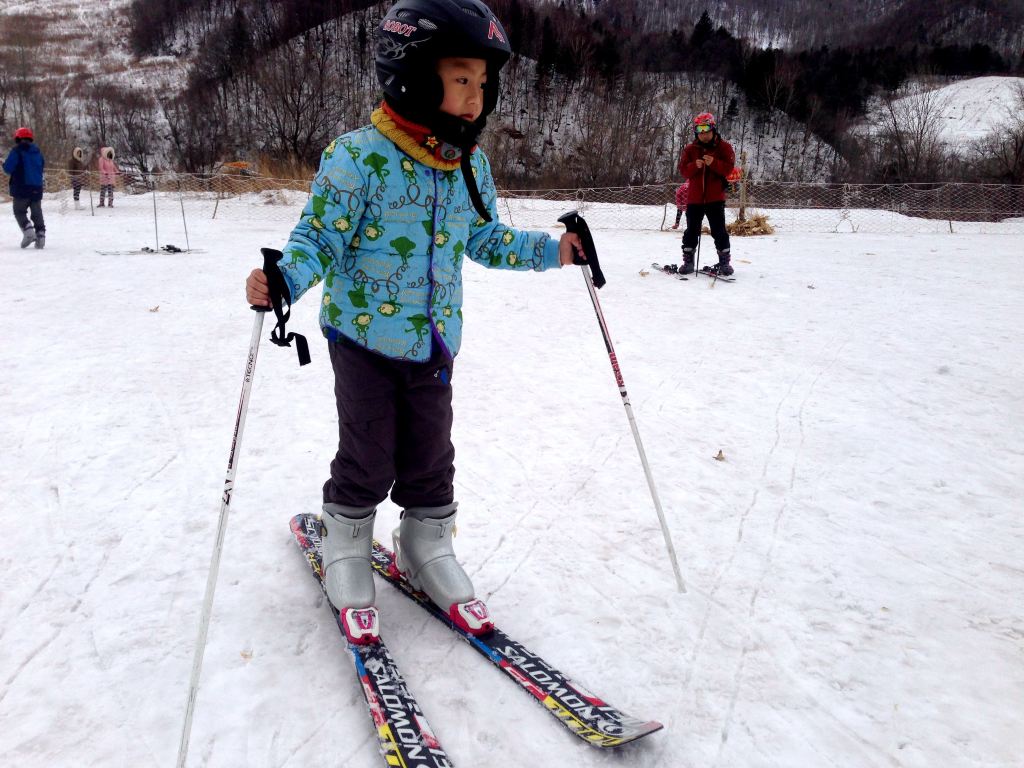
[424,556]
[345,544]
[687,267]
[28,236]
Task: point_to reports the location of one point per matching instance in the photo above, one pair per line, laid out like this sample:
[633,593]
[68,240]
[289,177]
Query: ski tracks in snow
[766,520]
[796,448]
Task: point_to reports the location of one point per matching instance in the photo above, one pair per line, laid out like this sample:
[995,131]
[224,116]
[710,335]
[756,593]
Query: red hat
[704,118]
[23,133]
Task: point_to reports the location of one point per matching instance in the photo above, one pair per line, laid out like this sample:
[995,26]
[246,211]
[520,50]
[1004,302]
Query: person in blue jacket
[25,165]
[396,208]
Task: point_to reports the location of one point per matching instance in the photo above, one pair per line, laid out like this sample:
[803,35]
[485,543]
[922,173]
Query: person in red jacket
[681,193]
[706,163]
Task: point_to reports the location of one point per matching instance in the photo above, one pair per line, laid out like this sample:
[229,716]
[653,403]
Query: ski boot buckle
[471,617]
[360,625]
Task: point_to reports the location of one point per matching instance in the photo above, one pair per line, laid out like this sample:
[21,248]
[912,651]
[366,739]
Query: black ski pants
[22,205]
[394,430]
[715,212]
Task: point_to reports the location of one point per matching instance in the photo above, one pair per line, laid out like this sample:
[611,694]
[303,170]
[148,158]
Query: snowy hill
[968,109]
[81,43]
[854,563]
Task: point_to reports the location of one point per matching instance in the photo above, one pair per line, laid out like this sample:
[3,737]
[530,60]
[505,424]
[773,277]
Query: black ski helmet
[415,34]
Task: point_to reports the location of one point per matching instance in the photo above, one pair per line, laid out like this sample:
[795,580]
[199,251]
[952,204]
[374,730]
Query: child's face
[464,81]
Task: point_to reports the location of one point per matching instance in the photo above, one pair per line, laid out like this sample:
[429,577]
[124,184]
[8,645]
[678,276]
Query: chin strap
[463,134]
[474,191]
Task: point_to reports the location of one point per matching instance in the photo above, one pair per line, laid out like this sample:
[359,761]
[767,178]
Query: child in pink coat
[108,174]
[681,193]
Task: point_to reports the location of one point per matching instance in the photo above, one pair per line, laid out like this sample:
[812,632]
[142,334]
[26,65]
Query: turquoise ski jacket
[387,235]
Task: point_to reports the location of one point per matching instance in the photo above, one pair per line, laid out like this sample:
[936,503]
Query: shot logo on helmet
[494,31]
[399,28]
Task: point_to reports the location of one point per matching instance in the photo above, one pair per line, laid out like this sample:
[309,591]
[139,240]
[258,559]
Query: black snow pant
[23,204]
[76,187]
[695,213]
[394,430]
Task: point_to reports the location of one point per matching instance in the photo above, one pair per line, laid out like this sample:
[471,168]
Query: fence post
[184,222]
[743,186]
[156,226]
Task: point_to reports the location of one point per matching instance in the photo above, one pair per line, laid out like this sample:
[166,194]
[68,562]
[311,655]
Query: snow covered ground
[854,565]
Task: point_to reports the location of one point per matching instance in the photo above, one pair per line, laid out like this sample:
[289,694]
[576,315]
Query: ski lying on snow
[710,272]
[404,737]
[585,715]
[150,252]
[660,268]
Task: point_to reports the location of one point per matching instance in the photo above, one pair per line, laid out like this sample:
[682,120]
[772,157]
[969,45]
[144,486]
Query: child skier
[76,170]
[108,174]
[706,163]
[396,207]
[25,165]
[681,192]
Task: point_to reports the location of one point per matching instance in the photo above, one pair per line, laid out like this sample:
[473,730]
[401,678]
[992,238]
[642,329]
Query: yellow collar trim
[384,123]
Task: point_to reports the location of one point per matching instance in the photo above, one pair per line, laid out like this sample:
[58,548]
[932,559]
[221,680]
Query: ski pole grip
[576,224]
[281,299]
[274,277]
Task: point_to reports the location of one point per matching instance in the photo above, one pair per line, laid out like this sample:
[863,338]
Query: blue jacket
[387,235]
[25,166]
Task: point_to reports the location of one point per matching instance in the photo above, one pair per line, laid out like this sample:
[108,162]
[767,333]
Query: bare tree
[300,110]
[1001,153]
[134,129]
[911,146]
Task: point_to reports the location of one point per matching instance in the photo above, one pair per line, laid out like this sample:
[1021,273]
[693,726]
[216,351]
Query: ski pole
[218,546]
[700,225]
[276,284]
[594,278]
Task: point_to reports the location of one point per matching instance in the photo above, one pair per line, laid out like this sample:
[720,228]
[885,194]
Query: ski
[403,735]
[585,715]
[661,268]
[713,274]
[151,251]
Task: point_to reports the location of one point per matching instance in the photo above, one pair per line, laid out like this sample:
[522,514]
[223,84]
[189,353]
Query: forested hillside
[273,81]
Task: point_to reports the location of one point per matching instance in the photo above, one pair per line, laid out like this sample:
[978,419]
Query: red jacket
[681,192]
[707,185]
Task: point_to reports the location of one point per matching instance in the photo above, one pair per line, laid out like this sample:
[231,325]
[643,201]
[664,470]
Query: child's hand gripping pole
[594,278]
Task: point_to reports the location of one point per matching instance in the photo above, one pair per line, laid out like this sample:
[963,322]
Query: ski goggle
[703,128]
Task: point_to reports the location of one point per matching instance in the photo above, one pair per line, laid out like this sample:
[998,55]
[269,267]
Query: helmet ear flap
[416,95]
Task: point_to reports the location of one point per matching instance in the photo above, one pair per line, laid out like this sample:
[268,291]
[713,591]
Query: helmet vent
[427,24]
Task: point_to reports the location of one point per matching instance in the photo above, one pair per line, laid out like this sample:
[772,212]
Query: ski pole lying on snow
[594,278]
[276,281]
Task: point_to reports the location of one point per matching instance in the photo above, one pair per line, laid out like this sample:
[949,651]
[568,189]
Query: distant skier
[681,192]
[396,208]
[25,165]
[76,170]
[706,163]
[108,174]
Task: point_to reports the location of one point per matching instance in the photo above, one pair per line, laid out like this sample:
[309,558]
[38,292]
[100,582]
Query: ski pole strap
[575,223]
[281,298]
